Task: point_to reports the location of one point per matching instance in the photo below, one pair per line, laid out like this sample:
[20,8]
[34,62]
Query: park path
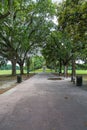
[42,104]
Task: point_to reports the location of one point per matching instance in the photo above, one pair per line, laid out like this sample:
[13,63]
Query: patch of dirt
[61,74]
[86,124]
[7,82]
[4,90]
[55,78]
[66,97]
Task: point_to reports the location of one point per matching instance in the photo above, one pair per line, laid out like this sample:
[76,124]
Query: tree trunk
[28,65]
[28,69]
[60,67]
[13,67]
[65,71]
[21,69]
[55,69]
[73,75]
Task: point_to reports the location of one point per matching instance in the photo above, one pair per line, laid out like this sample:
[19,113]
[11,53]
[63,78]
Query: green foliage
[23,29]
[81,66]
[26,25]
[36,62]
[72,19]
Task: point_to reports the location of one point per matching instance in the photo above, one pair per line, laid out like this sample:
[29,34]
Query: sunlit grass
[8,72]
[79,71]
[5,72]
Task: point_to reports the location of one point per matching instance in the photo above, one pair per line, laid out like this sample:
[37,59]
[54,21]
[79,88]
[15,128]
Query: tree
[23,29]
[72,17]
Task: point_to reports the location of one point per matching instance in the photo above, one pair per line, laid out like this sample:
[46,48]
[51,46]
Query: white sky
[57,1]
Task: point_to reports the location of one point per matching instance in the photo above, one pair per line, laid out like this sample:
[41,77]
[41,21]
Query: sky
[57,1]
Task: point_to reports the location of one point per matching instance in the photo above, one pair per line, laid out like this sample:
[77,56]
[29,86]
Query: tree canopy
[27,25]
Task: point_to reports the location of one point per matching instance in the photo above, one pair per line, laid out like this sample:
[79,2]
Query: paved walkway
[42,104]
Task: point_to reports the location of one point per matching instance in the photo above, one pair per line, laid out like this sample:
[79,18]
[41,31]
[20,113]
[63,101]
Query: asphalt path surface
[42,104]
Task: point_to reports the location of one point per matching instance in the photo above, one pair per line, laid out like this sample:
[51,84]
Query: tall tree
[24,29]
[72,17]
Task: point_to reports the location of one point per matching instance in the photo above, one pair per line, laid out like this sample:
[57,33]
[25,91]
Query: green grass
[8,72]
[81,71]
[5,72]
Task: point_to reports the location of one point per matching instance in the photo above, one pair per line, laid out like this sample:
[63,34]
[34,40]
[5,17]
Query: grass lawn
[8,72]
[79,72]
[5,72]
